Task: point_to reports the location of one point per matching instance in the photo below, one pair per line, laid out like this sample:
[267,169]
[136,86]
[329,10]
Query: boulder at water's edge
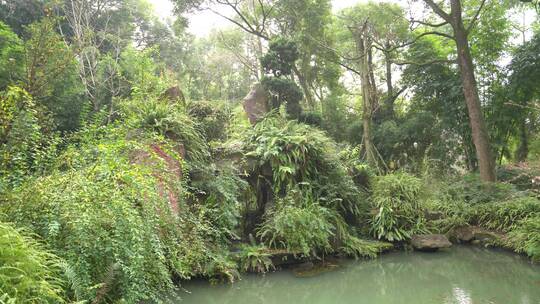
[430,242]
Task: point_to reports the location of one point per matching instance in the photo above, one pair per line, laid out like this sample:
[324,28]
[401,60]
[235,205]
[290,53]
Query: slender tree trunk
[523,148]
[305,88]
[370,65]
[389,104]
[486,162]
[363,45]
[480,135]
[260,70]
[388,63]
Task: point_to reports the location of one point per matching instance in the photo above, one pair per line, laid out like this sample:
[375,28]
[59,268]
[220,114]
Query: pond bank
[461,274]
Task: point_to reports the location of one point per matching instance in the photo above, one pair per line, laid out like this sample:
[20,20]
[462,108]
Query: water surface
[461,275]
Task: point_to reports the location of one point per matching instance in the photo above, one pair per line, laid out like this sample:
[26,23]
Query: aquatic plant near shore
[526,237]
[254,258]
[304,230]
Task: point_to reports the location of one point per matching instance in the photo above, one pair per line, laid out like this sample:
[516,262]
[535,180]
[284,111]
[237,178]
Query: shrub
[28,272]
[472,190]
[219,191]
[526,237]
[311,118]
[520,176]
[169,120]
[505,216]
[399,214]
[304,230]
[97,217]
[11,55]
[454,214]
[298,153]
[24,148]
[111,218]
[213,117]
[359,170]
[279,61]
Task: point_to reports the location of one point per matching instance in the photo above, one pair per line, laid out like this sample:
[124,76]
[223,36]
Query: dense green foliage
[11,52]
[127,162]
[255,258]
[279,62]
[313,193]
[28,272]
[399,214]
[498,207]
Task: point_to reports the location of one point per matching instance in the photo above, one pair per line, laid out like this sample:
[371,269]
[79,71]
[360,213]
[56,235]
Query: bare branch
[246,25]
[413,41]
[436,33]
[429,24]
[475,18]
[451,61]
[243,59]
[439,11]
[348,68]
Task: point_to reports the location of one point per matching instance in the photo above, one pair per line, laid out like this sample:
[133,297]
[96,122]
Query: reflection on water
[462,275]
[460,296]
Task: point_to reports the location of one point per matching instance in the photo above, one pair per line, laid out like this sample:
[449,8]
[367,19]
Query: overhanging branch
[439,11]
[451,61]
[475,18]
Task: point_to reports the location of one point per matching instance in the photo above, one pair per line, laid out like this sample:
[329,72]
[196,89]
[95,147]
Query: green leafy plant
[110,213]
[28,272]
[169,120]
[298,153]
[399,214]
[255,258]
[526,237]
[472,190]
[356,247]
[11,54]
[24,148]
[304,230]
[505,216]
[279,61]
[214,118]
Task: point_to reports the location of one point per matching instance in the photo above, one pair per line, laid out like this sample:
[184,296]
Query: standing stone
[256,103]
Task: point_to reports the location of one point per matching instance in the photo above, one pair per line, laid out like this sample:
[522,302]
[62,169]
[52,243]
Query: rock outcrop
[475,235]
[430,242]
[256,103]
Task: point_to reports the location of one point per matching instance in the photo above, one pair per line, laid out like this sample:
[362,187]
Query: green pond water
[461,275]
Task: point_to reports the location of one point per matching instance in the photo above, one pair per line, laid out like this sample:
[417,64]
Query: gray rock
[430,242]
[474,233]
[486,236]
[256,103]
[464,233]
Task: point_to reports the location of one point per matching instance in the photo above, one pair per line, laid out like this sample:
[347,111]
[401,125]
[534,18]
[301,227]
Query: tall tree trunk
[305,87]
[480,135]
[523,148]
[389,104]
[259,50]
[363,45]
